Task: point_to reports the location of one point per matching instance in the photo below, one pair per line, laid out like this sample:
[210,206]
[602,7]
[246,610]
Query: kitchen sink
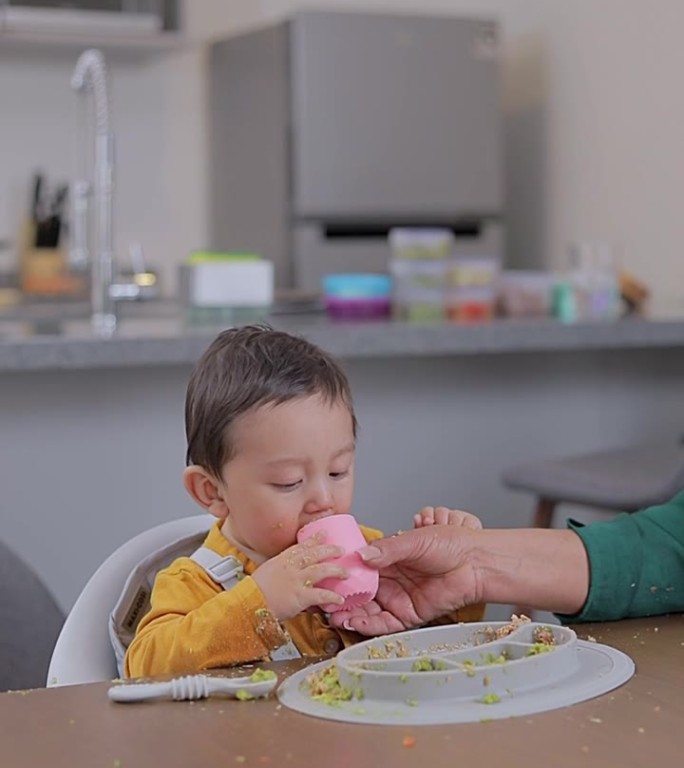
[73,318]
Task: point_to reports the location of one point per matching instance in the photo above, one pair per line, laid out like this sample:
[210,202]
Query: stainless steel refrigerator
[329,129]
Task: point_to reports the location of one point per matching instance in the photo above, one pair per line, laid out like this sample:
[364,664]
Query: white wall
[594,136]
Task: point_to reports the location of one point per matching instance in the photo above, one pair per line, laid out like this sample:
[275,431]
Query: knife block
[44,272]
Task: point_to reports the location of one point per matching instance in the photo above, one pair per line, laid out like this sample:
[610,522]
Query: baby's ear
[205,490]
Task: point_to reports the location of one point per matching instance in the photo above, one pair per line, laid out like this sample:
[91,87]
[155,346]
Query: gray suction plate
[471,675]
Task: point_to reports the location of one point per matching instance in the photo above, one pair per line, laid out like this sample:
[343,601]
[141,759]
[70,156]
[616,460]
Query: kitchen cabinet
[117,26]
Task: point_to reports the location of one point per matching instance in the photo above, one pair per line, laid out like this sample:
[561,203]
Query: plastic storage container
[472,288]
[526,293]
[357,296]
[594,280]
[418,244]
[419,290]
[420,259]
[471,305]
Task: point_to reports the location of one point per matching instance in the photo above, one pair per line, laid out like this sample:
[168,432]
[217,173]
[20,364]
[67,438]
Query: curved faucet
[91,72]
[90,76]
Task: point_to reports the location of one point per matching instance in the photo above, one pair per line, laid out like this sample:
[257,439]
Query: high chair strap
[226,571]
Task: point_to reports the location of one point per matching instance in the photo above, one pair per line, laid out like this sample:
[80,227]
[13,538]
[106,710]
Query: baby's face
[293,463]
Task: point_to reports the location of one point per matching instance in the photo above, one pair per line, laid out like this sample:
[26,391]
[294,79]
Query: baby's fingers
[317,596]
[426,516]
[446,516]
[473,522]
[314,574]
[311,552]
[466,520]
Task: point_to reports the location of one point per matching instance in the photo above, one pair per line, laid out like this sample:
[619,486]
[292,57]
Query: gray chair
[623,480]
[30,621]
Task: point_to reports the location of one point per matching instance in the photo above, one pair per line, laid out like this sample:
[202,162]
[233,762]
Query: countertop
[159,336]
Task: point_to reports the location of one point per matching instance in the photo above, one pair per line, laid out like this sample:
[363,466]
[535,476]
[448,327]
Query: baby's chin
[277,549]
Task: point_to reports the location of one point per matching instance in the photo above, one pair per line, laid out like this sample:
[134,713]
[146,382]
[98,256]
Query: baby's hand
[287,580]
[445,516]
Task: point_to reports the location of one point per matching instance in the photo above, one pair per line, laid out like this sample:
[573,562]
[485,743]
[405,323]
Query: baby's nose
[320,500]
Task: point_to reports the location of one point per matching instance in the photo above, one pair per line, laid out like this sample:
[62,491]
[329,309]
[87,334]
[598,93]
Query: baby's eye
[338,475]
[286,486]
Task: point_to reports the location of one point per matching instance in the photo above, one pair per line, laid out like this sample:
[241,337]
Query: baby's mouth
[319,516]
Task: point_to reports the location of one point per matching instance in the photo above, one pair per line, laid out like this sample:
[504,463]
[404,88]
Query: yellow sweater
[194,624]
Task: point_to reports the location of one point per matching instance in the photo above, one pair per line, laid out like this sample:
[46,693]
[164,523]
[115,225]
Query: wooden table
[639,725]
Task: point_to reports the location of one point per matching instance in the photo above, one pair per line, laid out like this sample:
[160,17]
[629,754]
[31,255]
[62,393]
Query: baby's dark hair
[248,367]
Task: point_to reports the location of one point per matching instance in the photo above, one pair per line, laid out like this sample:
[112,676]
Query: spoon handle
[189,688]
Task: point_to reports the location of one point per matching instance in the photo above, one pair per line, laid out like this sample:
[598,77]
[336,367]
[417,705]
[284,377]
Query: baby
[271,436]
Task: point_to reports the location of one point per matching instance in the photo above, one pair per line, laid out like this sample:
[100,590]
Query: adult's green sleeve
[636,563]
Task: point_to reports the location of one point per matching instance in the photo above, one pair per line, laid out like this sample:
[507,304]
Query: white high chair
[83,652]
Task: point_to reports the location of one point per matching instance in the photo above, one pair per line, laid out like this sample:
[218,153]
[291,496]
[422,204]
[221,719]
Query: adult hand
[424,574]
[432,571]
[288,580]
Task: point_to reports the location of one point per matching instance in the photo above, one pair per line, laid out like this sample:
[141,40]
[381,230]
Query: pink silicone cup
[361,583]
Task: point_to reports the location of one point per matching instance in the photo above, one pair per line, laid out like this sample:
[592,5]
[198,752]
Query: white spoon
[193,687]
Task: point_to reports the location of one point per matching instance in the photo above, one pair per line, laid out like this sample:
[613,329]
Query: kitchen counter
[167,339]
